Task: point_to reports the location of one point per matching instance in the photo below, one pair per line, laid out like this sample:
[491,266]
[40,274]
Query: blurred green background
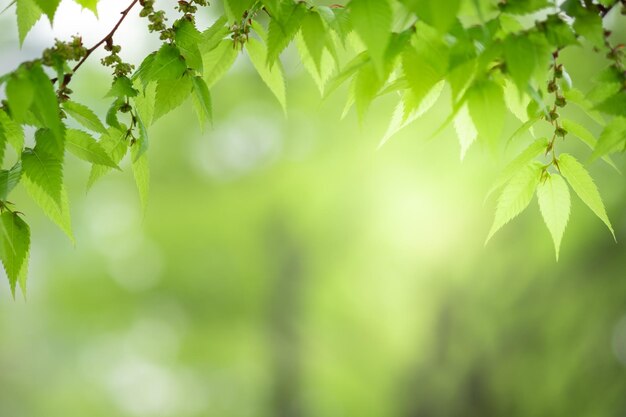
[286,267]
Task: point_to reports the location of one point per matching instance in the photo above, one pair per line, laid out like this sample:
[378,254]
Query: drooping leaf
[170,94]
[583,185]
[85,147]
[438,14]
[516,196]
[372,22]
[20,93]
[612,138]
[28,13]
[45,107]
[218,61]
[236,8]
[283,28]
[89,4]
[84,115]
[589,24]
[465,130]
[115,144]
[59,214]
[145,102]
[9,178]
[43,165]
[14,247]
[554,204]
[518,163]
[313,34]
[486,106]
[586,137]
[188,37]
[168,64]
[202,100]
[49,7]
[520,54]
[272,77]
[122,87]
[11,132]
[327,65]
[141,173]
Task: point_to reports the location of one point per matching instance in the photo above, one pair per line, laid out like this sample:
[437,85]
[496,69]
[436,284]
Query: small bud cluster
[189,8]
[113,60]
[559,102]
[157,20]
[616,54]
[239,32]
[64,51]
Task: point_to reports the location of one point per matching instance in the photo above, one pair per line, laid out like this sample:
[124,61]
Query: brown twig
[107,38]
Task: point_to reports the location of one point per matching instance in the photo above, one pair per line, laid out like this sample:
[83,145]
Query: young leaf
[89,4]
[145,102]
[283,28]
[236,8]
[59,214]
[170,94]
[202,100]
[314,35]
[465,129]
[486,106]
[372,22]
[85,147]
[43,165]
[28,13]
[438,14]
[218,61]
[531,152]
[15,246]
[273,77]
[187,39]
[122,87]
[168,64]
[84,115]
[612,138]
[554,204]
[9,179]
[583,185]
[519,53]
[320,75]
[516,196]
[141,173]
[45,107]
[20,94]
[11,132]
[115,144]
[49,7]
[586,137]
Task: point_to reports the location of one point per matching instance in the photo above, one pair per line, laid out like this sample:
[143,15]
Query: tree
[493,60]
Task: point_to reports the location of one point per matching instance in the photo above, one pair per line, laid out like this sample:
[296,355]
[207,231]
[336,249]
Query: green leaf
[589,24]
[327,66]
[523,6]
[122,87]
[218,61]
[141,173]
[612,138]
[170,94]
[486,106]
[43,165]
[168,64]
[20,94]
[236,8]
[516,196]
[520,55]
[583,185]
[84,115]
[89,4]
[425,62]
[49,7]
[15,245]
[554,204]
[214,35]
[115,144]
[202,100]
[465,130]
[145,102]
[9,179]
[28,13]
[11,132]
[272,77]
[366,86]
[143,140]
[59,214]
[45,107]
[518,163]
[586,137]
[187,39]
[313,33]
[438,14]
[283,28]
[372,22]
[85,147]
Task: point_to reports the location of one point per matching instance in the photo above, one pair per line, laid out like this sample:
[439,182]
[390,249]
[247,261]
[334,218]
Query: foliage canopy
[494,57]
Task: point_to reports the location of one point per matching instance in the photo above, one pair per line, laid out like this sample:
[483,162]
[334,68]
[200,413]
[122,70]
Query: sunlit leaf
[554,203]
